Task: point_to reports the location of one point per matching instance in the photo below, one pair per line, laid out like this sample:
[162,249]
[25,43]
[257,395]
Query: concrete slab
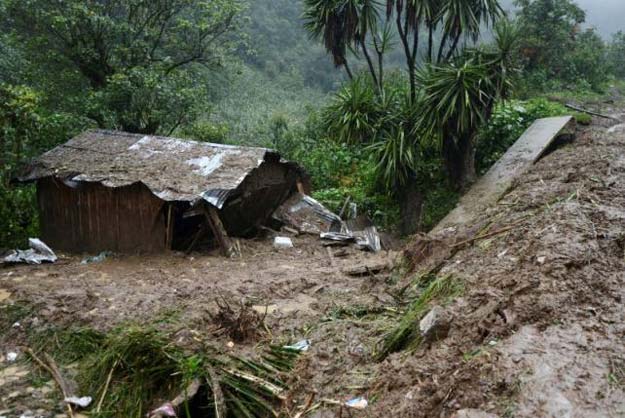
[491,187]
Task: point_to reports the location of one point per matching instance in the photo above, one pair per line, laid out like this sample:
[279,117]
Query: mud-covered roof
[173,169]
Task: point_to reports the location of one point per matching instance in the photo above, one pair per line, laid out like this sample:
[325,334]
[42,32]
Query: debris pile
[37,253]
[305,215]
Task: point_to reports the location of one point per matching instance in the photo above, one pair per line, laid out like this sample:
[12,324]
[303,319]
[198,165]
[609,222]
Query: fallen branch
[106,387]
[485,236]
[490,234]
[53,370]
[590,112]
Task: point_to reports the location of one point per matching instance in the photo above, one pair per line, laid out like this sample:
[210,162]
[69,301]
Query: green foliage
[145,101]
[251,103]
[282,46]
[554,48]
[26,129]
[136,60]
[143,366]
[406,333]
[132,367]
[507,124]
[616,54]
[207,131]
[354,114]
[338,170]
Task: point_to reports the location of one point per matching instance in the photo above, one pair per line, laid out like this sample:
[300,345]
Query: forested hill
[282,74]
[280,45]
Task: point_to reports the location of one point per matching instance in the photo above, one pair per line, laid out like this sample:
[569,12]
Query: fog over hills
[607,16]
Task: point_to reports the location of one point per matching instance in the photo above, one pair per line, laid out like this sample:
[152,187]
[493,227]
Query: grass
[10,314]
[133,369]
[142,365]
[406,333]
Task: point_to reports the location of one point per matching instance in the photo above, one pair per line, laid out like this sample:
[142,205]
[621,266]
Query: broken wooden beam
[215,224]
[590,112]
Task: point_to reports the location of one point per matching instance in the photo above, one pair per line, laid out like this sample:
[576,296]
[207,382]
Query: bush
[507,124]
[26,130]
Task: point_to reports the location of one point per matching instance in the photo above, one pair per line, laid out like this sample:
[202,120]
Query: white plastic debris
[303,345]
[11,357]
[98,258]
[166,410]
[357,403]
[282,243]
[37,254]
[82,402]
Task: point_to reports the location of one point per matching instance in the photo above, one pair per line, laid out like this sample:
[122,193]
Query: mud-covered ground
[294,292]
[539,330]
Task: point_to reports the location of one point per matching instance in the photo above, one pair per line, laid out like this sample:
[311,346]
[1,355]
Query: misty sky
[608,16]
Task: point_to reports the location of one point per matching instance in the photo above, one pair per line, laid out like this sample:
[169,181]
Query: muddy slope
[540,329]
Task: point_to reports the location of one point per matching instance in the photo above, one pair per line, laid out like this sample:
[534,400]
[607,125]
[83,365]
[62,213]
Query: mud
[291,291]
[539,331]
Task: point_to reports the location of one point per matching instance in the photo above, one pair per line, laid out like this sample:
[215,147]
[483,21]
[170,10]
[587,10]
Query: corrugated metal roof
[173,169]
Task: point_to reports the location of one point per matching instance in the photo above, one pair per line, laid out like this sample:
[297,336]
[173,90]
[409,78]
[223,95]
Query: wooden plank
[494,184]
[214,222]
[170,226]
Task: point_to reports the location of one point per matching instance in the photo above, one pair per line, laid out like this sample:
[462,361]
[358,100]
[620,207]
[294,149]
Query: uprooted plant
[406,333]
[137,371]
[240,322]
[142,367]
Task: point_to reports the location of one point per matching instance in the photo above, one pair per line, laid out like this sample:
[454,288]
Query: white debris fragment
[11,357]
[541,260]
[82,402]
[303,345]
[357,403]
[166,410]
[502,254]
[282,243]
[37,254]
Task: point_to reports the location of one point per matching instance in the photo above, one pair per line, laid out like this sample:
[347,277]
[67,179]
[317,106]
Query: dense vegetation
[419,105]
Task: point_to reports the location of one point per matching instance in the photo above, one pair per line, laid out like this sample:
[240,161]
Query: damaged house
[120,192]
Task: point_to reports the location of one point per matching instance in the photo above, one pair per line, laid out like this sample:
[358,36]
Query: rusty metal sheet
[516,161]
[173,169]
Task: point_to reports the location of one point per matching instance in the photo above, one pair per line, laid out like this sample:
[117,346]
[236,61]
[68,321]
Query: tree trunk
[459,156]
[411,200]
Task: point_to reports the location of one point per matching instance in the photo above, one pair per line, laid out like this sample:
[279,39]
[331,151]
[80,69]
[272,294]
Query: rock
[435,325]
[473,413]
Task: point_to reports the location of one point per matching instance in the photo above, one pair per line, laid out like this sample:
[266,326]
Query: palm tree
[459,97]
[457,19]
[345,25]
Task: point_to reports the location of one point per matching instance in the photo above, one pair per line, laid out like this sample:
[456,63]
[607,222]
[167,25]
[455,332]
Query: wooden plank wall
[92,218]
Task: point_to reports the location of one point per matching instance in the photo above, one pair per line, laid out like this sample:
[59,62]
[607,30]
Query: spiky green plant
[135,367]
[143,366]
[354,114]
[406,333]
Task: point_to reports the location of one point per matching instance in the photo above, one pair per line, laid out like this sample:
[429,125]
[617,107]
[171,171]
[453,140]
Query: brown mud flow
[536,327]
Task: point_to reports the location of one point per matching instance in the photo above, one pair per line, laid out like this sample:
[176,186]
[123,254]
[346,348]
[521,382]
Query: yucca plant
[459,97]
[354,114]
[134,367]
[349,25]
